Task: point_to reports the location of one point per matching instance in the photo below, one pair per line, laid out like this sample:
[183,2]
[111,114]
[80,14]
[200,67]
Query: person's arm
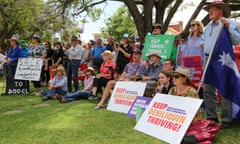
[127,55]
[233,29]
[61,83]
[83,57]
[17,55]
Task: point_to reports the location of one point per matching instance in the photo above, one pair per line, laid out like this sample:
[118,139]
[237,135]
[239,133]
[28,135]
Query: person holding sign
[150,75]
[218,13]
[81,94]
[193,44]
[107,72]
[37,51]
[156,29]
[132,71]
[58,85]
[14,52]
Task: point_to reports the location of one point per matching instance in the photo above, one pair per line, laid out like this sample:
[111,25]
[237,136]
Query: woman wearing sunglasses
[193,44]
[181,80]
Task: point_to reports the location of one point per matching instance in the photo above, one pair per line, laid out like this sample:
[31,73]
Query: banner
[168,117]
[180,54]
[163,44]
[194,63]
[141,102]
[29,69]
[124,94]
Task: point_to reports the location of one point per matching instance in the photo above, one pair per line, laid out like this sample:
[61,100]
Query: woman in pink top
[83,94]
[107,72]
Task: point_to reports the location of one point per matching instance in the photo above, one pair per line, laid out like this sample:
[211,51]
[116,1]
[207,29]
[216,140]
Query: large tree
[119,23]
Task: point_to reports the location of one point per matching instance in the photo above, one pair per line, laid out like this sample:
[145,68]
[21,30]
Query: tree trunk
[148,6]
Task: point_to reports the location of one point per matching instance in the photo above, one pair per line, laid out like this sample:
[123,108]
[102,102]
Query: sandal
[98,107]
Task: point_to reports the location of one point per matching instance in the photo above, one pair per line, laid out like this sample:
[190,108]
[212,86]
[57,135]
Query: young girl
[58,85]
[83,94]
[164,82]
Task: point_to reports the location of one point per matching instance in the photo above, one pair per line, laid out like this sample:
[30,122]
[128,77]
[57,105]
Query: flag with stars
[222,71]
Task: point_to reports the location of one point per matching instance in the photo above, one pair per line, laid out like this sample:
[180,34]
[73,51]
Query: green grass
[75,123]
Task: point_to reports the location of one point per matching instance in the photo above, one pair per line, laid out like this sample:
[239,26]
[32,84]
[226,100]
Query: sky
[110,7]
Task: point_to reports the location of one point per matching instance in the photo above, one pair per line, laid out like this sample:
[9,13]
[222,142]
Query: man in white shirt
[76,57]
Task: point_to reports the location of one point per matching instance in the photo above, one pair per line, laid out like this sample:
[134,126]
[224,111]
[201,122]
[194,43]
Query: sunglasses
[192,25]
[176,76]
[59,70]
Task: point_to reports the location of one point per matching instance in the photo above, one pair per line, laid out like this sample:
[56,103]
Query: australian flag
[222,71]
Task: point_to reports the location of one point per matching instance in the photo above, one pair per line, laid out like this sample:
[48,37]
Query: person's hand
[9,60]
[225,21]
[99,76]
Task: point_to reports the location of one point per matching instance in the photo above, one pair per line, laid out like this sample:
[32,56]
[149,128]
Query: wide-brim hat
[13,38]
[91,69]
[154,53]
[23,43]
[220,5]
[107,53]
[185,72]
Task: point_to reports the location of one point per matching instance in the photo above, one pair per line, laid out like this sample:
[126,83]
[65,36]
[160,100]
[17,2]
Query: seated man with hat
[150,75]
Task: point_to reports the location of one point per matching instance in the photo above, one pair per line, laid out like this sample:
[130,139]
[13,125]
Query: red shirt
[105,68]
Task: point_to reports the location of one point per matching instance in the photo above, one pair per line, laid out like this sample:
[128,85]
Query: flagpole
[210,55]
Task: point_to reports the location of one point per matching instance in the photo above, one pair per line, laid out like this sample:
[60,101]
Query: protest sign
[29,69]
[16,86]
[124,94]
[141,102]
[168,117]
[194,63]
[161,44]
[180,54]
[81,69]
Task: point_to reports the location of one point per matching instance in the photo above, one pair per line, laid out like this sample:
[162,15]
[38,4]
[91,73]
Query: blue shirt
[14,54]
[97,51]
[153,71]
[62,82]
[25,52]
[211,32]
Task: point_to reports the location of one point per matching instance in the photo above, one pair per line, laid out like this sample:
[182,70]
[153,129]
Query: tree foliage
[119,23]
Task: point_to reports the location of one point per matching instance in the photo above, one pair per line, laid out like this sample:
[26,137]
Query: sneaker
[44,98]
[63,100]
[55,96]
[92,97]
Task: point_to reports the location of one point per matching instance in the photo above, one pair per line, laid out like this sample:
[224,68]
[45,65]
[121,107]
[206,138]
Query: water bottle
[139,112]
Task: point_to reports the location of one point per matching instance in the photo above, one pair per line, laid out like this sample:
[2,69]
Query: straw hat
[14,38]
[107,53]
[154,53]
[184,71]
[91,69]
[220,5]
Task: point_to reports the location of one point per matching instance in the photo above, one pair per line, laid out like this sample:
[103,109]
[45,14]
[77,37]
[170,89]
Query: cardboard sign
[141,102]
[81,69]
[180,54]
[14,87]
[162,44]
[29,69]
[124,94]
[194,63]
[168,117]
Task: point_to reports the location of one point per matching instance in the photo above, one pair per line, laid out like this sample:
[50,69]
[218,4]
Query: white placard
[168,117]
[29,69]
[124,94]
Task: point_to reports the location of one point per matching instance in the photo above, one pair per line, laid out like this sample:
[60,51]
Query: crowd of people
[112,62]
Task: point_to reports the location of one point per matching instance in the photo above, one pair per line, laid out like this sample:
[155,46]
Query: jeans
[72,69]
[77,95]
[50,93]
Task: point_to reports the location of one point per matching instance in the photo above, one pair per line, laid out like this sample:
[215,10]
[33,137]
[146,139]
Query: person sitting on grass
[81,94]
[107,72]
[132,72]
[164,82]
[58,85]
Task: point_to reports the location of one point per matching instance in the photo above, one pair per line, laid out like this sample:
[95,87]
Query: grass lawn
[75,123]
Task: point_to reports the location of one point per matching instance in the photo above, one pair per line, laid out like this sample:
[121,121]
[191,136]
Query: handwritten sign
[124,94]
[29,69]
[162,44]
[180,54]
[168,117]
[16,86]
[141,102]
[194,63]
